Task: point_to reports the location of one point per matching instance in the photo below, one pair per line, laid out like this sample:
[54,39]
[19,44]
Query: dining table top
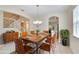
[36,38]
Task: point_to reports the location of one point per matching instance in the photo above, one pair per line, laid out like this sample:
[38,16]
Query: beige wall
[62,19]
[74,42]
[1,19]
[44,26]
[1,26]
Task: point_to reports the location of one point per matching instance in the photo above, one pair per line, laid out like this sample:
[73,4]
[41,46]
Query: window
[76,22]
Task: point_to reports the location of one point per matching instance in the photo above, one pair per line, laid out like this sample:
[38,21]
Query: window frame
[76,22]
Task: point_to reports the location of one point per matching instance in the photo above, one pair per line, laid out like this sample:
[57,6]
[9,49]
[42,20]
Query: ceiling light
[37,20]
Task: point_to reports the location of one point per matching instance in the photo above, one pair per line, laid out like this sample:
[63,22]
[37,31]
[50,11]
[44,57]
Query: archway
[54,25]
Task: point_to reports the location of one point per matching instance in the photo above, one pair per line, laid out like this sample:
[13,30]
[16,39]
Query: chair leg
[49,52]
[53,50]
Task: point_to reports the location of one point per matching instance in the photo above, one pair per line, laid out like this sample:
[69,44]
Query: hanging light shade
[37,21]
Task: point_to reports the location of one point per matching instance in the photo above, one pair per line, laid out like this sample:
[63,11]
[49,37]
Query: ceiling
[31,10]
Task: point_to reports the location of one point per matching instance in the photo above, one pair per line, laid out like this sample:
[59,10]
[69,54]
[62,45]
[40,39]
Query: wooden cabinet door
[15,35]
[8,37]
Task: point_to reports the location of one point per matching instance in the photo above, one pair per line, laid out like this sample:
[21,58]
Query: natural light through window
[76,22]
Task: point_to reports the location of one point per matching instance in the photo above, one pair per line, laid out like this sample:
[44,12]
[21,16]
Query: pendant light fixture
[37,21]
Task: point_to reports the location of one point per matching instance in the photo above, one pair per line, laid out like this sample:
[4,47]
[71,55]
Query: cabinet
[8,37]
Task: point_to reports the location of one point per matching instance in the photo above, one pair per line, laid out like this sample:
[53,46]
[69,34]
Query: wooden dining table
[37,39]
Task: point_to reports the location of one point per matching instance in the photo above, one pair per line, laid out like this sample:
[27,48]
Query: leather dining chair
[21,49]
[48,46]
[33,32]
[23,35]
[49,39]
[45,31]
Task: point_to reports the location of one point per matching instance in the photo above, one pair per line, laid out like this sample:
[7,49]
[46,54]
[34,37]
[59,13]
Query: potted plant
[64,34]
[37,31]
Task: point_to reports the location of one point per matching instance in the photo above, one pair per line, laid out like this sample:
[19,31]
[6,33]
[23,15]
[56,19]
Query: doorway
[54,25]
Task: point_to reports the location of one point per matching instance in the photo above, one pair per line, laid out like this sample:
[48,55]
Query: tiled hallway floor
[7,48]
[60,49]
[10,47]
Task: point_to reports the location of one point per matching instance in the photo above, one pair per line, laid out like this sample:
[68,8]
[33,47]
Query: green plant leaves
[64,34]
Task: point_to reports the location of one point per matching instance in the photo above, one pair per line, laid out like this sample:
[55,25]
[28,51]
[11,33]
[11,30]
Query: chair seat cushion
[48,41]
[28,48]
[45,47]
[25,41]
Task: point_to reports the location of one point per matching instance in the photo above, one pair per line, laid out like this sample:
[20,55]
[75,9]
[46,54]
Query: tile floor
[10,47]
[7,48]
[60,49]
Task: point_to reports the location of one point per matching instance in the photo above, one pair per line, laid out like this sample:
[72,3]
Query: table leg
[37,48]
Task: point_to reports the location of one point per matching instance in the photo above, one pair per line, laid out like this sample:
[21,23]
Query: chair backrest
[51,39]
[46,31]
[23,35]
[19,46]
[32,32]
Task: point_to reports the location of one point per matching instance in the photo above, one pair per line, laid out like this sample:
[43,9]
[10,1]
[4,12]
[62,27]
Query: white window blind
[76,22]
